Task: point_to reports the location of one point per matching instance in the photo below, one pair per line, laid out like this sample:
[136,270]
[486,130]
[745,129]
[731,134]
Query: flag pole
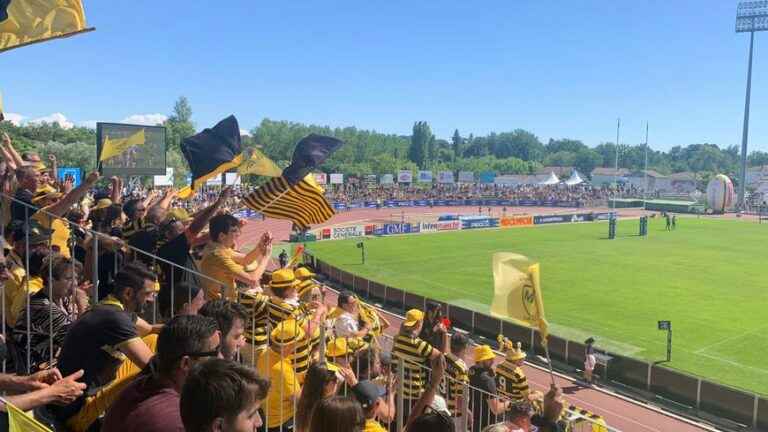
[549,363]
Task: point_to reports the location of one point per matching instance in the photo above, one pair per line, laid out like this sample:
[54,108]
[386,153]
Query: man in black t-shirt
[486,408]
[29,180]
[180,236]
[100,342]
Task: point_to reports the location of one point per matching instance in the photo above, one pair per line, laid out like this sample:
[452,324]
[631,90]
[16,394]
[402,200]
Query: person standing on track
[669,225]
[589,360]
[674,222]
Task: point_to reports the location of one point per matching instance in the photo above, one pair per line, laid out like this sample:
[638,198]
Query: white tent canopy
[550,180]
[574,179]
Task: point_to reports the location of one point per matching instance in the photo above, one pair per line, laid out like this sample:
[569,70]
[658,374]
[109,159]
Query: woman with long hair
[321,383]
[337,414]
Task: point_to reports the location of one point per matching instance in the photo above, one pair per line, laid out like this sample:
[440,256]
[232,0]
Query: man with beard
[105,343]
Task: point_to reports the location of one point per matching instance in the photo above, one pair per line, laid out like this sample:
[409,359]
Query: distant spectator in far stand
[337,414]
[283,258]
[434,330]
[222,396]
[589,360]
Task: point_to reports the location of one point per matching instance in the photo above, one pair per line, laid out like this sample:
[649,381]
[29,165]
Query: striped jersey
[256,325]
[415,354]
[511,381]
[452,388]
[280,310]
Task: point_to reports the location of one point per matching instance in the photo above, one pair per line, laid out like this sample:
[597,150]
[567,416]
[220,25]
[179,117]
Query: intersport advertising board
[440,226]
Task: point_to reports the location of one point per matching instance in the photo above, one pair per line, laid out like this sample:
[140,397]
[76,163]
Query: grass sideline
[706,277]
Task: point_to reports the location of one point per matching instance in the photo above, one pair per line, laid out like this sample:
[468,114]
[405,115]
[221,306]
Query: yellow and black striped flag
[294,195]
[24,22]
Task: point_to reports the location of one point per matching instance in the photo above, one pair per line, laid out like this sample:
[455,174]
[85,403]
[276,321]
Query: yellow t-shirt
[372,425]
[20,301]
[60,227]
[217,263]
[13,286]
[284,388]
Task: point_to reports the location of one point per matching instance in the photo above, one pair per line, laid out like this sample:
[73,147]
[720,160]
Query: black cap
[367,393]
[37,233]
[589,341]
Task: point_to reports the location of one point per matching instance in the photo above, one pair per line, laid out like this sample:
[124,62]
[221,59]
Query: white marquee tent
[550,180]
[574,179]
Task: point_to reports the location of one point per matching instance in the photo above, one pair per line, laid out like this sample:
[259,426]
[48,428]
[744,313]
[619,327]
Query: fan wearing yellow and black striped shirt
[510,378]
[415,354]
[456,376]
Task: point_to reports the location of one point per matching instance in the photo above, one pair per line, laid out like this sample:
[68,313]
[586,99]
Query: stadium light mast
[645,175]
[616,169]
[751,16]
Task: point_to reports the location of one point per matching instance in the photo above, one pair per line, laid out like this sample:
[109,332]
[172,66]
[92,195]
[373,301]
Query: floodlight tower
[751,16]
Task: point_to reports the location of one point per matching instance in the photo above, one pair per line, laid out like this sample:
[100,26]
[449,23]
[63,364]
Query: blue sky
[556,68]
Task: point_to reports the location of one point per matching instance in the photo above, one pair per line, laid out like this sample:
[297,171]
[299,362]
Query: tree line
[371,152]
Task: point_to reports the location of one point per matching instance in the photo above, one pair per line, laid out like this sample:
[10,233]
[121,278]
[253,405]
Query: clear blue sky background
[557,68]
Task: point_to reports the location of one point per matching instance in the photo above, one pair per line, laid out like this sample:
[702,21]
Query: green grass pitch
[708,277]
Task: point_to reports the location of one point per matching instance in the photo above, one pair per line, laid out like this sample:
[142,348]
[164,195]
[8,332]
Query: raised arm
[7,146]
[202,217]
[75,195]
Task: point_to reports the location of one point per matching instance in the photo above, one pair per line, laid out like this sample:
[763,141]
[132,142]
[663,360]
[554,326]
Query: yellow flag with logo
[259,164]
[19,421]
[114,147]
[24,22]
[517,292]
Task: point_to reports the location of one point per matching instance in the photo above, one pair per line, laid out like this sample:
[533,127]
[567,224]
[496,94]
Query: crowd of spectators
[132,311]
[582,193]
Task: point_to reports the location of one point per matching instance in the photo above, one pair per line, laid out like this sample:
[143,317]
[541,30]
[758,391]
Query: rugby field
[709,277]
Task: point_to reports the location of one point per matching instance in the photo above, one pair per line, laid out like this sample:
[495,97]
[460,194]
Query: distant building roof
[610,171]
[685,175]
[560,171]
[761,168]
[650,173]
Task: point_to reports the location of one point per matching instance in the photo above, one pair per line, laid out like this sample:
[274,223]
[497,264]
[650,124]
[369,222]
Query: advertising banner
[439,202]
[466,177]
[76,174]
[387,179]
[325,234]
[337,178]
[404,203]
[510,221]
[425,176]
[603,215]
[528,203]
[440,226]
[399,228]
[320,178]
[214,181]
[404,176]
[390,203]
[540,220]
[487,177]
[339,206]
[479,223]
[566,204]
[582,217]
[371,204]
[421,203]
[341,233]
[369,229]
[445,177]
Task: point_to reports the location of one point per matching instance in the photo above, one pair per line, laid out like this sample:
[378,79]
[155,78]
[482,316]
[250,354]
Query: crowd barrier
[488,202]
[453,223]
[675,390]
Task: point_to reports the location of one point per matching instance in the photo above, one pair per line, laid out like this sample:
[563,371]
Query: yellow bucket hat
[283,279]
[44,193]
[303,273]
[287,332]
[482,353]
[413,317]
[340,347]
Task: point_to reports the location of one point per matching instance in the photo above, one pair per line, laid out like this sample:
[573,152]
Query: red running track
[620,413]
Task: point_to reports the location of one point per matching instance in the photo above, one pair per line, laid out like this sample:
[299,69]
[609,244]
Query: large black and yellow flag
[24,22]
[294,195]
[212,152]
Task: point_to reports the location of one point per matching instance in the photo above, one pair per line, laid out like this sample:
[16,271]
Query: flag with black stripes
[295,195]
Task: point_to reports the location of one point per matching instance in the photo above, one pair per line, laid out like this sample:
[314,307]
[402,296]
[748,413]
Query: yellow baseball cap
[483,352]
[180,214]
[413,317]
[286,332]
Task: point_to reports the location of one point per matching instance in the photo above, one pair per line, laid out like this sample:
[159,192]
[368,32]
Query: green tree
[586,160]
[421,138]
[179,125]
[456,142]
[757,158]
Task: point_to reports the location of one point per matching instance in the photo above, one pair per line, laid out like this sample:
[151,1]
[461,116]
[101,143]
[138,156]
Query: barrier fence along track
[692,396]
